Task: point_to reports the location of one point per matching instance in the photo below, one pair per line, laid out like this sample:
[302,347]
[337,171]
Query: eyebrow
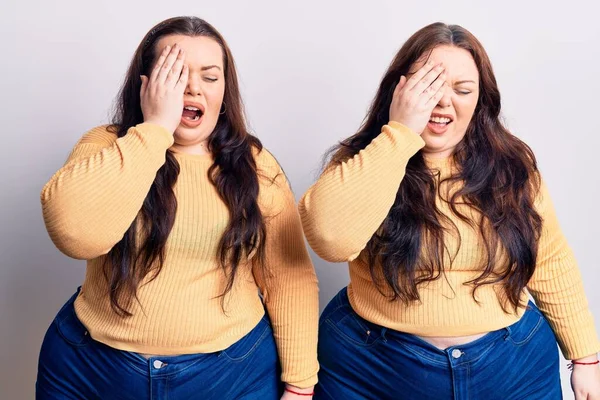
[207,67]
[464,81]
[409,74]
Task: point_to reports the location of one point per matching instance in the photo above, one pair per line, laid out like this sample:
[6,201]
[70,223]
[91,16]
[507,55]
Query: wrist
[309,391]
[587,359]
[401,122]
[584,362]
[160,123]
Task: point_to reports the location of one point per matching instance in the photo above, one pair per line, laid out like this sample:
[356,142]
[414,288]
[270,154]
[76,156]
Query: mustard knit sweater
[345,207]
[90,203]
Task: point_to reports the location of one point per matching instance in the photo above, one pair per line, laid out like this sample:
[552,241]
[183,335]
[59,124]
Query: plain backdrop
[308,71]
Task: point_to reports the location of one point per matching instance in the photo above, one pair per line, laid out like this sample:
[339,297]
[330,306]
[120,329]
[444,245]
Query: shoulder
[268,168]
[102,136]
[275,192]
[93,141]
[265,160]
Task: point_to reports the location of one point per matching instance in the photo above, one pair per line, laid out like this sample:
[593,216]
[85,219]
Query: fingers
[183,79]
[159,63]
[427,80]
[436,95]
[437,88]
[402,82]
[399,87]
[167,64]
[175,72]
[419,75]
[438,83]
[144,79]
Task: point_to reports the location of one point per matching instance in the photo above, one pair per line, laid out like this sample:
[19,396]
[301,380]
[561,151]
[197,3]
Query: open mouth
[192,113]
[438,123]
[441,121]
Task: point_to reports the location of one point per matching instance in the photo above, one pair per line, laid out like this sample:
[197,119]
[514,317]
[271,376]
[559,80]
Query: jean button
[157,364]
[456,353]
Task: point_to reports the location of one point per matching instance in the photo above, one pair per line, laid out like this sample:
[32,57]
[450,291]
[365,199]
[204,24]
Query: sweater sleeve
[345,207]
[92,200]
[557,287]
[288,282]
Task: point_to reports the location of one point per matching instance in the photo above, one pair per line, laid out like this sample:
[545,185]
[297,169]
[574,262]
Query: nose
[193,88]
[446,99]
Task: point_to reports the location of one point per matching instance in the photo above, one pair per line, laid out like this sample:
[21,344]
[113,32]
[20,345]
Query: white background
[308,71]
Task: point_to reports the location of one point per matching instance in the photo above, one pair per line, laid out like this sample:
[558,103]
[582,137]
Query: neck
[438,154]
[198,149]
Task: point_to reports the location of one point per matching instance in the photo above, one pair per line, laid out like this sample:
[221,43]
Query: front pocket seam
[348,338]
[249,352]
[530,335]
[333,312]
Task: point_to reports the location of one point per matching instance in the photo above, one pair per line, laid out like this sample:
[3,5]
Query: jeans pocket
[354,329]
[243,348]
[522,331]
[70,327]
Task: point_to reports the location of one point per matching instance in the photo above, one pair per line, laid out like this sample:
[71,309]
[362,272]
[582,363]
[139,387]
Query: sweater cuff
[155,135]
[413,141]
[584,344]
[306,383]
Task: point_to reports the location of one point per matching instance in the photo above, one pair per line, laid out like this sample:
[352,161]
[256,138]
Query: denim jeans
[72,365]
[362,360]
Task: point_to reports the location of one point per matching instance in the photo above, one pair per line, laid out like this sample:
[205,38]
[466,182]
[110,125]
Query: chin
[435,143]
[187,138]
[190,134]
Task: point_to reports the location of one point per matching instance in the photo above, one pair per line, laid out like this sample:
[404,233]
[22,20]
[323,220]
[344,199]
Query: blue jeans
[72,365]
[362,360]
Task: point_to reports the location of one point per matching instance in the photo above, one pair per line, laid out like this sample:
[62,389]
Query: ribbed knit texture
[90,203]
[344,208]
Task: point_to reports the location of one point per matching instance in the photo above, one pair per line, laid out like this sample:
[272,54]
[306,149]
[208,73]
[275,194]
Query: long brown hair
[234,174]
[499,179]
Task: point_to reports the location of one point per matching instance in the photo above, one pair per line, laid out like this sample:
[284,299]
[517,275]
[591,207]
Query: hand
[414,100]
[585,380]
[291,396]
[161,95]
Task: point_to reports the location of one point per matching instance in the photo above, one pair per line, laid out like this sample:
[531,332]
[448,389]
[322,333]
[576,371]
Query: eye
[463,92]
[209,79]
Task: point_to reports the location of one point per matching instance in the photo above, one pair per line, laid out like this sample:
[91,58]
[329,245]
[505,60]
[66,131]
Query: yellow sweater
[90,203]
[345,207]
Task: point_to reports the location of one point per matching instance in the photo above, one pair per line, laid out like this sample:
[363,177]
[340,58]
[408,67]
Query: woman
[182,217]
[446,224]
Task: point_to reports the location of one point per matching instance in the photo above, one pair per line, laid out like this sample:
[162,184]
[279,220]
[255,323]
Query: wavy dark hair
[498,177]
[234,174]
